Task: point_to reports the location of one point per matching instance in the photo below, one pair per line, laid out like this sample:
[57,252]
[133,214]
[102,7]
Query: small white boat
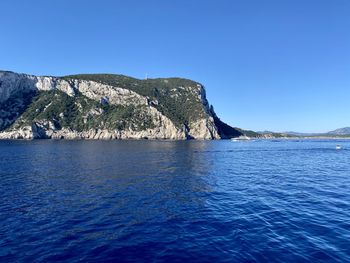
[241,138]
[338,147]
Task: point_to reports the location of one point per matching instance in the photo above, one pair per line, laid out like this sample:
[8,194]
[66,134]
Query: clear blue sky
[276,65]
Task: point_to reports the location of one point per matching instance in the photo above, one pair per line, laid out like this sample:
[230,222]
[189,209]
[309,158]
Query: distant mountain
[301,134]
[271,134]
[338,132]
[341,131]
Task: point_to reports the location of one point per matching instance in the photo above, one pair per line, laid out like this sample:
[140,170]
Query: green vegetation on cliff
[81,113]
[14,107]
[176,98]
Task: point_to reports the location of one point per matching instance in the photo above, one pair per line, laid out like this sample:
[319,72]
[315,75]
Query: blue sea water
[162,201]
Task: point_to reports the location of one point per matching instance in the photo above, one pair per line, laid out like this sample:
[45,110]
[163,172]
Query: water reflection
[147,180]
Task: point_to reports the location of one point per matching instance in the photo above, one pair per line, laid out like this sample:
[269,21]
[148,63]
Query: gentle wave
[217,201]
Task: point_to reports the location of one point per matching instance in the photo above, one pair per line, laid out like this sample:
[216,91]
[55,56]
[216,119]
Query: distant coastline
[341,133]
[110,106]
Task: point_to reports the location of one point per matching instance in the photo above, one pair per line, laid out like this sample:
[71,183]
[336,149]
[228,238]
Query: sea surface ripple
[163,201]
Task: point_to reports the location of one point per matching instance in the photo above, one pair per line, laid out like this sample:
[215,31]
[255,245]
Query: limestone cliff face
[12,83]
[29,109]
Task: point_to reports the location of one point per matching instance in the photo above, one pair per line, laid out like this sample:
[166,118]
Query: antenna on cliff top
[146,76]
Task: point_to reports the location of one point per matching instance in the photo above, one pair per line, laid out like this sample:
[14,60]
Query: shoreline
[172,140]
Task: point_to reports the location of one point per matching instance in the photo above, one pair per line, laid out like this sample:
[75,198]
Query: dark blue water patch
[162,201]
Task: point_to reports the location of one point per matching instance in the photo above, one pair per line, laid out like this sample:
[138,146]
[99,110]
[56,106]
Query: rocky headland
[106,106]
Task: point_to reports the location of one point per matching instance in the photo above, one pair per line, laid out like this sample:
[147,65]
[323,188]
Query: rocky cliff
[105,106]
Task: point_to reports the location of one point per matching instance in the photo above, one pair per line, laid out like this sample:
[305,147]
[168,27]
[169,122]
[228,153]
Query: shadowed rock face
[105,107]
